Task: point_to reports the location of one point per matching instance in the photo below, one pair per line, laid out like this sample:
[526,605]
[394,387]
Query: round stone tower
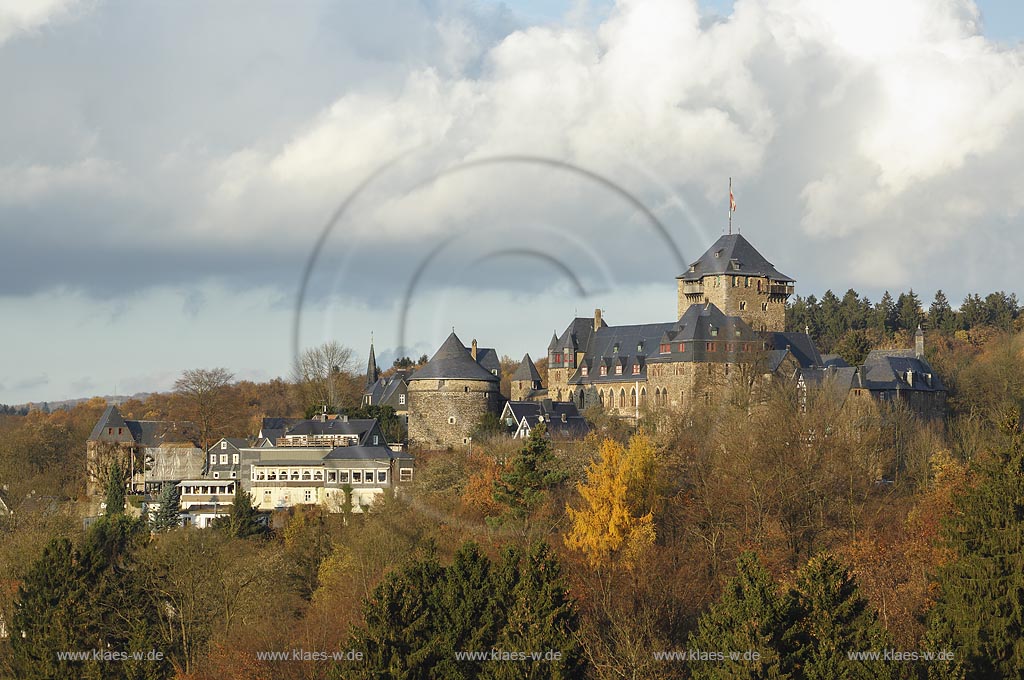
[449,395]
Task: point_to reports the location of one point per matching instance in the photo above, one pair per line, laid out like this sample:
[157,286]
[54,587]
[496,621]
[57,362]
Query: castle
[728,338]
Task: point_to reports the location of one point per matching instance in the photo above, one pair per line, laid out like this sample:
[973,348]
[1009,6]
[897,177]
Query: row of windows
[223,459]
[317,475]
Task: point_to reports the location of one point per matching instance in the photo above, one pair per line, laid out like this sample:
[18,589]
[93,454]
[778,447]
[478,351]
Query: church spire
[372,372]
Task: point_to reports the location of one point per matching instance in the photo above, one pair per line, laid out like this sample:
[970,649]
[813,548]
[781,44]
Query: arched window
[600,397]
[632,397]
[622,398]
[643,396]
[581,398]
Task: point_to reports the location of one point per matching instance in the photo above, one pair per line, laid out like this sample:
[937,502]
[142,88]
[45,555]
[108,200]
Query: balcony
[783,289]
[693,288]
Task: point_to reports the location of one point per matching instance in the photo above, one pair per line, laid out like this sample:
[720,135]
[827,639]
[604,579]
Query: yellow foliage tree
[607,524]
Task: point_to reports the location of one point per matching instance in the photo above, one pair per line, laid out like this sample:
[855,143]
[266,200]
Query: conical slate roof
[452,361]
[732,254]
[526,371]
[372,372]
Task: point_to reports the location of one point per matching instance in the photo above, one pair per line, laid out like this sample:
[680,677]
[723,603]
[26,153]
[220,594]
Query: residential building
[562,420]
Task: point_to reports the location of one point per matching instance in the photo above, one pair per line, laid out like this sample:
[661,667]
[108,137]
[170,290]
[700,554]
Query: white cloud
[29,15]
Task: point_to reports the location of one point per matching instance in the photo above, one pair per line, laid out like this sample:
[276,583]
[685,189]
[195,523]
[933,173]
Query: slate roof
[488,358]
[833,360]
[372,372]
[236,442]
[838,380]
[641,344]
[146,433]
[337,426]
[800,344]
[886,369]
[578,333]
[574,427]
[524,409]
[452,361]
[734,255]
[527,370]
[366,453]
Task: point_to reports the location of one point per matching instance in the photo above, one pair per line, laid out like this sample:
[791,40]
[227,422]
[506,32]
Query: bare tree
[325,376]
[206,397]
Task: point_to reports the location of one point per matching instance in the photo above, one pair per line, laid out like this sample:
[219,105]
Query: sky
[190,185]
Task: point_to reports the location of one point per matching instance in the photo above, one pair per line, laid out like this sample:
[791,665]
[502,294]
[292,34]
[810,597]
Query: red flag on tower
[732,199]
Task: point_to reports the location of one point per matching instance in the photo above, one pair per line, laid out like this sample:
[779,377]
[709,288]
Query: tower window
[764,306]
[743,306]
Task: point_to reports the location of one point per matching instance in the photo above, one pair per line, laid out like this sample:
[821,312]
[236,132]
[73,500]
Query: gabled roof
[577,334]
[800,344]
[732,254]
[111,418]
[887,369]
[452,361]
[527,370]
[833,360]
[488,358]
[236,442]
[836,380]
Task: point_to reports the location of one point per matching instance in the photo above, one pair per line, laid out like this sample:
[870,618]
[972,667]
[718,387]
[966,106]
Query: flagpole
[730,206]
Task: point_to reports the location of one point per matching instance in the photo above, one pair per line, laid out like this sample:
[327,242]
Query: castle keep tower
[738,280]
[449,395]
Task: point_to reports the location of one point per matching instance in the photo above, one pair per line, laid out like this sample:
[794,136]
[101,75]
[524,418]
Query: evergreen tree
[115,490]
[941,316]
[854,347]
[831,325]
[48,614]
[1001,310]
[399,637]
[836,619]
[243,520]
[909,314]
[543,619]
[854,311]
[528,475]
[979,612]
[883,317]
[973,313]
[749,615]
[167,516]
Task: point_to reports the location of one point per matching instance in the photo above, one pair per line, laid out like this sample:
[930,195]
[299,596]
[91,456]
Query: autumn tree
[205,395]
[325,376]
[609,521]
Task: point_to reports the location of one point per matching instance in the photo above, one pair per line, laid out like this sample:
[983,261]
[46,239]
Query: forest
[803,537]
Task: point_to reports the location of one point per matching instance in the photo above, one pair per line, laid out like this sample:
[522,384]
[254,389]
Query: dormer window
[604,370]
[714,332]
[583,370]
[636,368]
[682,347]
[618,369]
[693,267]
[639,347]
[738,333]
[718,253]
[665,348]
[615,349]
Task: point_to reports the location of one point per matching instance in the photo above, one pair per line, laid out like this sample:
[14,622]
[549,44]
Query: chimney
[597,319]
[919,342]
[473,351]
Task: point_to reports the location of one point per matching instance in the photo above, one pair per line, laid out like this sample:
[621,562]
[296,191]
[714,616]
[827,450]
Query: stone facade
[443,413]
[756,299]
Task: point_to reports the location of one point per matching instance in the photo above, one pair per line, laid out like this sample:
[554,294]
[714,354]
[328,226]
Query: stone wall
[752,298]
[445,413]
